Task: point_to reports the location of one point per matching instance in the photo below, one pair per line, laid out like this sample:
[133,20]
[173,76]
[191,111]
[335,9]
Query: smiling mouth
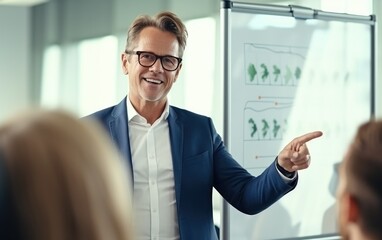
[154,81]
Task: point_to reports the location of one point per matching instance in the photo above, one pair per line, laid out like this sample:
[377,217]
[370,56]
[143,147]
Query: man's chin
[153,99]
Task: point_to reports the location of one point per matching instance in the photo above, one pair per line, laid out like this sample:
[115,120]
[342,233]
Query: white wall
[15,57]
[19,82]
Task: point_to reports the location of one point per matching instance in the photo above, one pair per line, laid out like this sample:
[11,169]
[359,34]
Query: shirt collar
[132,113]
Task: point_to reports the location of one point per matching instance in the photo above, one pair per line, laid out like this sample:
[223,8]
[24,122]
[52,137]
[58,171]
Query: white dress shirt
[154,201]
[154,189]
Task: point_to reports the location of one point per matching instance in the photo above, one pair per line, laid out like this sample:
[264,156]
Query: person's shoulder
[191,121]
[109,112]
[101,114]
[187,114]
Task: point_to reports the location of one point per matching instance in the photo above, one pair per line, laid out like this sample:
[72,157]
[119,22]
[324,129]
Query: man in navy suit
[176,156]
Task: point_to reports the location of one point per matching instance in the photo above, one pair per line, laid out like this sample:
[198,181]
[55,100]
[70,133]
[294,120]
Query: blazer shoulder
[110,113]
[184,114]
[101,114]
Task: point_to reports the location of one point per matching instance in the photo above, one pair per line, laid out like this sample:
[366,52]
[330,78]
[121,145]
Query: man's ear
[353,210]
[125,63]
[177,72]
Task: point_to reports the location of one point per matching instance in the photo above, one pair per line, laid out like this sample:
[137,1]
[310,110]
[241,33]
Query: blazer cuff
[288,177]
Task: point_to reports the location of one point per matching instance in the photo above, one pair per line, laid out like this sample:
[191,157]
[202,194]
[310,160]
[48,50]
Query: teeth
[153,81]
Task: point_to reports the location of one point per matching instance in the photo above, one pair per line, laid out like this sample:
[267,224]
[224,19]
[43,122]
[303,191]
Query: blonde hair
[165,21]
[67,180]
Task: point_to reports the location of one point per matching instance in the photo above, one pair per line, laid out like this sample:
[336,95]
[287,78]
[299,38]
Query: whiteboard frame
[298,12]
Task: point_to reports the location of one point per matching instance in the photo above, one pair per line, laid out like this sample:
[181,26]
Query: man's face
[151,84]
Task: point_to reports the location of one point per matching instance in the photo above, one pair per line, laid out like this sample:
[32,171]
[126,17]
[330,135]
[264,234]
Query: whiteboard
[286,76]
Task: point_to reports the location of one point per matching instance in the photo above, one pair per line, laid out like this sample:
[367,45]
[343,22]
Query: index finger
[308,136]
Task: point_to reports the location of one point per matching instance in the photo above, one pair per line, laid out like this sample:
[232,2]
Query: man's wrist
[284,172]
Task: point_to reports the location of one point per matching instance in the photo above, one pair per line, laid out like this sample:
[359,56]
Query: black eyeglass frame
[179,60]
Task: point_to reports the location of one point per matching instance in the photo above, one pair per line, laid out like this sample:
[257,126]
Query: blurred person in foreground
[176,156]
[359,194]
[61,178]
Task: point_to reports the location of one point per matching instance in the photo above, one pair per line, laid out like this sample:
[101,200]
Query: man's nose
[157,66]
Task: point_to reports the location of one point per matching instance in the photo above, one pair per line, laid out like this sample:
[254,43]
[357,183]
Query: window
[97,70]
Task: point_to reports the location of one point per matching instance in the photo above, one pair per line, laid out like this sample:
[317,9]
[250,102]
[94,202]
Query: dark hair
[364,174]
[9,222]
[165,21]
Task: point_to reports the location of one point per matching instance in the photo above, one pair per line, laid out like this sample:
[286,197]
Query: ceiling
[22,2]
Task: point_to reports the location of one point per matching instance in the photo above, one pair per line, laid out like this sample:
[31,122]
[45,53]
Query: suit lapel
[176,140]
[118,127]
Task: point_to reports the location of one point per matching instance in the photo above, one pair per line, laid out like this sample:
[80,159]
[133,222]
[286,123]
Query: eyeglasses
[148,59]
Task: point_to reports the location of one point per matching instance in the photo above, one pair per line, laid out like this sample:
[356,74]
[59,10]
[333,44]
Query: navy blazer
[201,162]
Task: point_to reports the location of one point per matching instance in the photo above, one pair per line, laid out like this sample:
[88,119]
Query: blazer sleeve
[247,193]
